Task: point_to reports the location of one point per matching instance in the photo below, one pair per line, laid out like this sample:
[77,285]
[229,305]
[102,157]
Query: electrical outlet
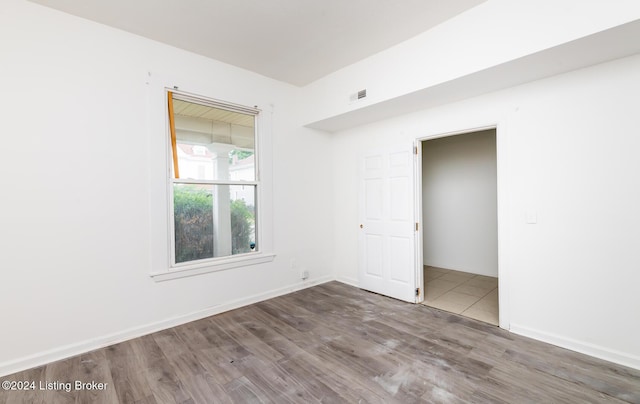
[304,274]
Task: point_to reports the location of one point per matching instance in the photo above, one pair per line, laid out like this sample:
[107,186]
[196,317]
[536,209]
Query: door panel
[387,233]
[401,257]
[374,255]
[373,195]
[373,162]
[399,209]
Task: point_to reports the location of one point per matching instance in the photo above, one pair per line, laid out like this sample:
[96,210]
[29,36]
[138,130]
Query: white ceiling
[295,41]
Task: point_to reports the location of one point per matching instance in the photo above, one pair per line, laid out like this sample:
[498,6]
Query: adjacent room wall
[567,152]
[75,222]
[459,203]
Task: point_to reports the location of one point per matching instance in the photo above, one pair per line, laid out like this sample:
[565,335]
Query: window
[214,180]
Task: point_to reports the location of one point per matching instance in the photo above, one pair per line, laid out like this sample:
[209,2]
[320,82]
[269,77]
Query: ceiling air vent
[358,96]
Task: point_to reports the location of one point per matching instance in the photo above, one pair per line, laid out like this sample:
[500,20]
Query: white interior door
[387,225]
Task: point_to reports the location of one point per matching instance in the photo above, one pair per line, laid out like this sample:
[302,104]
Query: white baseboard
[348,281]
[596,351]
[78,348]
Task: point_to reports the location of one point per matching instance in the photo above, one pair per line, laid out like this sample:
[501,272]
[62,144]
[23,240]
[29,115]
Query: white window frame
[161,224]
[255,112]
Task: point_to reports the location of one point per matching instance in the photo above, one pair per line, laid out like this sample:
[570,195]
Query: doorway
[460,225]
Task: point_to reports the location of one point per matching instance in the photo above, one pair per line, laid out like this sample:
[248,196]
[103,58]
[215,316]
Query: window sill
[203,268]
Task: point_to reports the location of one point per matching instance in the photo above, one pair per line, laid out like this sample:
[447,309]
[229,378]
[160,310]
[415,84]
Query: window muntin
[214,197]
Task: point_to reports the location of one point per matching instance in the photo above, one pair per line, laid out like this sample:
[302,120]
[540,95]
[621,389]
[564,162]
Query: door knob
[361,226]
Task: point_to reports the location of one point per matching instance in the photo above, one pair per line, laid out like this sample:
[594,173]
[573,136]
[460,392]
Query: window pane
[213,221]
[193,222]
[243,218]
[213,143]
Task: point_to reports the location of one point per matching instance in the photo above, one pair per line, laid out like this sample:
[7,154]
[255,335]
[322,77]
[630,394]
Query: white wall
[567,150]
[75,208]
[459,203]
[488,35]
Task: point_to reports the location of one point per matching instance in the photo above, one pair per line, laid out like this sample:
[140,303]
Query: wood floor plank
[437,395]
[34,396]
[290,315]
[94,369]
[163,381]
[241,390]
[318,382]
[274,382]
[62,373]
[127,372]
[189,333]
[333,343]
[407,347]
[219,339]
[192,376]
[219,365]
[505,384]
[269,334]
[350,360]
[145,400]
[232,325]
[170,343]
[599,378]
[353,386]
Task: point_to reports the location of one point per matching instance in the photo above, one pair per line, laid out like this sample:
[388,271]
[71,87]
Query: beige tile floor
[470,295]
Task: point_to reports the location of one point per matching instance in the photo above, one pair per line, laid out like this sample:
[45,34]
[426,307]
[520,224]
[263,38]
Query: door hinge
[416,226]
[417,292]
[415,150]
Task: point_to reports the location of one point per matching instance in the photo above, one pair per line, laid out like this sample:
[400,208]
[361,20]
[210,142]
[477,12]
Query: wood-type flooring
[332,343]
